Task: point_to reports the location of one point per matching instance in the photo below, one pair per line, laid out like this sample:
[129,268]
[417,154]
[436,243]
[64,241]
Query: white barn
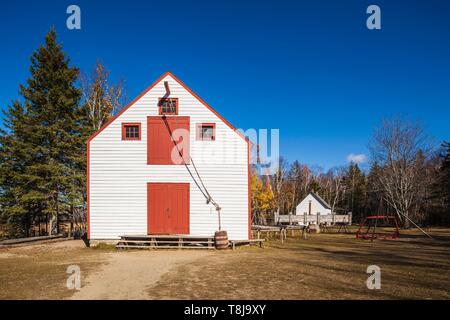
[313,204]
[138,181]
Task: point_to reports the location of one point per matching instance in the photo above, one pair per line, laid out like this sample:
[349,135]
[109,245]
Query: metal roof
[320,200]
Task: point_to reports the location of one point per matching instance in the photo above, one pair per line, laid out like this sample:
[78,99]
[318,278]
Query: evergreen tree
[18,202]
[42,172]
[356,190]
[374,203]
[445,172]
[444,181]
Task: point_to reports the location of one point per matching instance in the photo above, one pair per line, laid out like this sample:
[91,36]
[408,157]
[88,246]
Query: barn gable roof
[320,200]
[168,73]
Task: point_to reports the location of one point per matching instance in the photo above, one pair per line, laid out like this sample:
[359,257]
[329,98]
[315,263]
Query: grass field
[325,266]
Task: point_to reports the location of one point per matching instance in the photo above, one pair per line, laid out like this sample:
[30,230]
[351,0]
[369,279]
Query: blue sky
[309,68]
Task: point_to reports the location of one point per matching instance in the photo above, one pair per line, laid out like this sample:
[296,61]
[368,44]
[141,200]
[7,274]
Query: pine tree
[356,190]
[374,202]
[444,180]
[16,196]
[44,140]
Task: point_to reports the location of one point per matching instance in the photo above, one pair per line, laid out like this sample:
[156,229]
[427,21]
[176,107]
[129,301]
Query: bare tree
[102,99]
[333,187]
[298,184]
[396,146]
[279,184]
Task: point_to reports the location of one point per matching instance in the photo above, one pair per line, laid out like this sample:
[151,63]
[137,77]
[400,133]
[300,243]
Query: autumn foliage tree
[362,191]
[262,199]
[101,98]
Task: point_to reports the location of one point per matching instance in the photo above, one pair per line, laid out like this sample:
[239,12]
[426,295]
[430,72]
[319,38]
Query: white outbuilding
[313,204]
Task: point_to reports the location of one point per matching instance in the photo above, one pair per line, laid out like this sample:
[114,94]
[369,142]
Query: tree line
[407,178]
[43,158]
[43,142]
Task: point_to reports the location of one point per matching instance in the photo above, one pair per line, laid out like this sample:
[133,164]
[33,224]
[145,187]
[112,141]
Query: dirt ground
[129,275]
[325,266]
[39,271]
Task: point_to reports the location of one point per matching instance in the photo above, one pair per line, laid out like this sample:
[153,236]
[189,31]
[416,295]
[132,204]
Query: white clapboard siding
[119,172]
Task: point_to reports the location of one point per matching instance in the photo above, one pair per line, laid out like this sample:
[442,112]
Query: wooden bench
[338,227]
[282,230]
[269,230]
[235,243]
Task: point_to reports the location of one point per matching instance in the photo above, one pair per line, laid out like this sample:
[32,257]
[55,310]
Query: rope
[205,192]
[423,231]
[179,152]
[198,175]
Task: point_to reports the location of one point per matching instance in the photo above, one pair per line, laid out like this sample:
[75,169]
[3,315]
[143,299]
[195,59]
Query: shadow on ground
[326,266]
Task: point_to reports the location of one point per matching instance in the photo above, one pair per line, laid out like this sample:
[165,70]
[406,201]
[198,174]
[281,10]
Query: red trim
[126,124]
[380,217]
[128,106]
[199,125]
[160,106]
[151,87]
[88,199]
[207,105]
[249,192]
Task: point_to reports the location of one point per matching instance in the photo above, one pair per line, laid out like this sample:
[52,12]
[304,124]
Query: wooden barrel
[314,228]
[221,240]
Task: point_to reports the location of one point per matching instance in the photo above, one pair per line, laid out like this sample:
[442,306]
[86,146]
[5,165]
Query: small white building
[138,183]
[313,210]
[313,204]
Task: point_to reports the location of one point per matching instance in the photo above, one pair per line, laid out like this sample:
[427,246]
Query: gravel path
[129,275]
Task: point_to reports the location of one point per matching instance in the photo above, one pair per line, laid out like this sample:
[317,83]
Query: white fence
[306,219]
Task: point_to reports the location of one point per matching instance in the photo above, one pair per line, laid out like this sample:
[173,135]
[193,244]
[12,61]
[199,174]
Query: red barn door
[168,208]
[161,149]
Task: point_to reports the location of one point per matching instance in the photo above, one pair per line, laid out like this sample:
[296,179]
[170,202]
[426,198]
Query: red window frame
[160,106]
[209,124]
[131,124]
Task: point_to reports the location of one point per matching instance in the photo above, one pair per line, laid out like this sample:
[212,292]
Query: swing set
[370,228]
[384,227]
